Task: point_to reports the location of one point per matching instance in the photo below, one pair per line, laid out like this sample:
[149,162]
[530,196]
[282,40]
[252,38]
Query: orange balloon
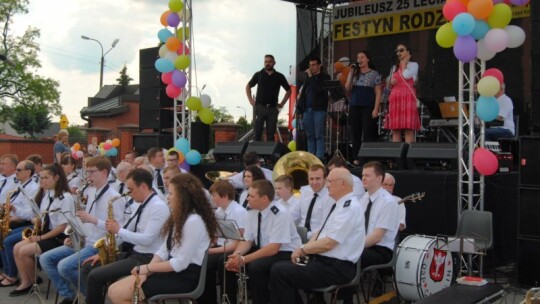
[173,44]
[480,9]
[338,67]
[181,157]
[76,147]
[163,18]
[465,2]
[116,142]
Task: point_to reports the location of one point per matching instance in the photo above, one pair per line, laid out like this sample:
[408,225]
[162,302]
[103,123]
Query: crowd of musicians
[146,226]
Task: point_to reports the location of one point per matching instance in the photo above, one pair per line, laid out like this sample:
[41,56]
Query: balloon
[173,20]
[294,134]
[206,115]
[182,62]
[163,51]
[171,56]
[485,161]
[500,16]
[115,142]
[480,9]
[182,145]
[487,108]
[488,86]
[292,145]
[107,146]
[193,103]
[293,123]
[79,153]
[452,8]
[483,52]
[496,40]
[193,157]
[180,157]
[173,91]
[465,49]
[74,155]
[101,145]
[180,33]
[206,100]
[163,18]
[108,141]
[164,34]
[516,36]
[338,67]
[463,24]
[172,44]
[164,65]
[480,29]
[182,50]
[179,78]
[520,2]
[102,152]
[112,152]
[495,73]
[185,166]
[446,37]
[176,5]
[76,146]
[166,77]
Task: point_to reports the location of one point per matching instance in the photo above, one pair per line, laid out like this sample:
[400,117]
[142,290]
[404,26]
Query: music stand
[228,230]
[336,92]
[79,233]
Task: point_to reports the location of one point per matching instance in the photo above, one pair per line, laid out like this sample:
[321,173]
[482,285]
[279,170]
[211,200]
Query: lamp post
[244,109]
[102,56]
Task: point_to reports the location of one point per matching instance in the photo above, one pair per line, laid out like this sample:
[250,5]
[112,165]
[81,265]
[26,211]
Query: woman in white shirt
[251,174]
[176,266]
[69,164]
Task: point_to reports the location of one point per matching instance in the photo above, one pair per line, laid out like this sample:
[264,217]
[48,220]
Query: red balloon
[485,161]
[495,73]
[173,91]
[452,8]
[166,77]
[180,50]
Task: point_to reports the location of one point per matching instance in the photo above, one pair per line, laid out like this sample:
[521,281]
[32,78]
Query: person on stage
[265,104]
[402,108]
[54,194]
[251,174]
[364,87]
[176,266]
[333,250]
[270,236]
[312,107]
[503,126]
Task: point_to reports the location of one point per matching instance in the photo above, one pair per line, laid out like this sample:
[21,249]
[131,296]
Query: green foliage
[221,114]
[30,119]
[246,126]
[20,86]
[124,78]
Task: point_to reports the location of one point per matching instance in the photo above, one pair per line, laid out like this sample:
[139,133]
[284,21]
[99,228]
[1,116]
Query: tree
[124,78]
[31,119]
[20,86]
[246,126]
[221,114]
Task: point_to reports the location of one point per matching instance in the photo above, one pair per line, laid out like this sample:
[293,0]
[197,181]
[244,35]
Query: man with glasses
[173,159]
[8,164]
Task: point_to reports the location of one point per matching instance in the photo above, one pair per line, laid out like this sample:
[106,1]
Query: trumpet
[242,284]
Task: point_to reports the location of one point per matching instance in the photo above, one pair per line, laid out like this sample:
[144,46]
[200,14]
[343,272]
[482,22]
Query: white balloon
[205,100]
[496,40]
[516,36]
[171,56]
[163,51]
[483,52]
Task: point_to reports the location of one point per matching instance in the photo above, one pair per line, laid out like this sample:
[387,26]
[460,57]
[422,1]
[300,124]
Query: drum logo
[437,267]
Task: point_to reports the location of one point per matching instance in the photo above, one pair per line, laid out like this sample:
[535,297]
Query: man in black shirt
[268,82]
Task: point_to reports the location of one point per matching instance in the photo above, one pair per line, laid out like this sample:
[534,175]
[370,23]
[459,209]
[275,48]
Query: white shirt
[506,111]
[161,194]
[358,187]
[192,248]
[100,210]
[11,183]
[277,227]
[345,225]
[64,202]
[22,202]
[322,204]
[237,180]
[74,180]
[147,238]
[288,205]
[402,212]
[233,212]
[384,214]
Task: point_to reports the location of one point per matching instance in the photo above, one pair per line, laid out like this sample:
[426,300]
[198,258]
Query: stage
[437,212]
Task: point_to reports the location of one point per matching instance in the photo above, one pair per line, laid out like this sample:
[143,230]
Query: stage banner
[385,17]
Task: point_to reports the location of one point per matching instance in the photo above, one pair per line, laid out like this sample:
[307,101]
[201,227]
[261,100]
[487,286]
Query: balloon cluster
[487,107]
[186,156]
[479,28]
[109,147]
[76,152]
[201,105]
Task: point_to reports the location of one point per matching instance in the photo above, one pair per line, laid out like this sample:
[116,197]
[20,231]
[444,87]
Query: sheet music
[228,229]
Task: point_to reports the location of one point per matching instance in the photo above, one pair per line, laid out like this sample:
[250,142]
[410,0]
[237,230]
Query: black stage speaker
[529,161]
[528,262]
[270,152]
[150,78]
[529,212]
[432,156]
[148,57]
[390,154]
[535,63]
[200,137]
[231,151]
[154,98]
[156,119]
[144,141]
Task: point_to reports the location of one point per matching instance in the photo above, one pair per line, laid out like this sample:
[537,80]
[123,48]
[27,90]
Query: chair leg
[48,290]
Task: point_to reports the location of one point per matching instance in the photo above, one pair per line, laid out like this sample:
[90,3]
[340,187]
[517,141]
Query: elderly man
[388,184]
[8,165]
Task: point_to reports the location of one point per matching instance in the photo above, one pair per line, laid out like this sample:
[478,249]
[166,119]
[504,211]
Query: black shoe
[15,292]
[66,301]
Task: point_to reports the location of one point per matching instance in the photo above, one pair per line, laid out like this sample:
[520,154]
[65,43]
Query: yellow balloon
[500,16]
[180,33]
[193,103]
[206,115]
[182,62]
[292,145]
[488,86]
[446,37]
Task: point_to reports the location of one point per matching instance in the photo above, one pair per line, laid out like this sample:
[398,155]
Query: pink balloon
[74,155]
[180,50]
[495,73]
[173,91]
[485,161]
[166,77]
[452,8]
[496,40]
[107,146]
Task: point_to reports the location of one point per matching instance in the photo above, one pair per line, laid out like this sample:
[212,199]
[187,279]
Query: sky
[230,39]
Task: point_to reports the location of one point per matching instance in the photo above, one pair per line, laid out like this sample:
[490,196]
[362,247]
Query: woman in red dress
[402,113]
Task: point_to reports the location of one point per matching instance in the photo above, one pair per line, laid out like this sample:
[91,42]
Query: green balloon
[500,16]
[182,62]
[446,36]
[206,115]
[180,33]
[176,5]
[193,103]
[292,145]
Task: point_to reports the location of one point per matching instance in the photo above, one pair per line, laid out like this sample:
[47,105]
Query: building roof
[109,101]
[110,107]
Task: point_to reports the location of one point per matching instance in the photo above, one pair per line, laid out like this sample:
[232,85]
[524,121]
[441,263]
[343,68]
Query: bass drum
[422,267]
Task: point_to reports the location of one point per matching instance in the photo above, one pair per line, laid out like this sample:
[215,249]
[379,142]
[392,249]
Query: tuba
[5,218]
[296,165]
[107,245]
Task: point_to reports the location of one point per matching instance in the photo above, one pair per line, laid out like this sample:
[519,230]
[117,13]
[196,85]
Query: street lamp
[244,109]
[102,56]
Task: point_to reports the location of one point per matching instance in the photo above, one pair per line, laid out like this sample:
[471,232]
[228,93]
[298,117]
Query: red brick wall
[126,141]
[23,148]
[129,117]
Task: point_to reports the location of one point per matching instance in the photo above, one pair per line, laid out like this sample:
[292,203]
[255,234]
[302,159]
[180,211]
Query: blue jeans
[314,128]
[493,134]
[15,236]
[61,265]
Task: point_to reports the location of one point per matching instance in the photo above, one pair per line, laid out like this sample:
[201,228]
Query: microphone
[355,65]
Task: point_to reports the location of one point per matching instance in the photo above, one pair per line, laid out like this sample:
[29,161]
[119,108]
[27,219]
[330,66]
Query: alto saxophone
[38,226]
[106,246]
[4,218]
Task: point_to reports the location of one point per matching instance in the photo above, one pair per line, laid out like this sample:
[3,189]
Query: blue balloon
[293,123]
[164,34]
[164,65]
[487,108]
[182,145]
[193,157]
[113,151]
[463,24]
[480,29]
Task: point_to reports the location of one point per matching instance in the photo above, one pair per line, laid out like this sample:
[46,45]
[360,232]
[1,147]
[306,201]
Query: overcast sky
[230,38]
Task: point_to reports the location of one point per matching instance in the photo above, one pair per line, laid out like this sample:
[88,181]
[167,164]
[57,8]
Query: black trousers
[97,277]
[361,123]
[215,263]
[258,272]
[172,282]
[270,116]
[287,278]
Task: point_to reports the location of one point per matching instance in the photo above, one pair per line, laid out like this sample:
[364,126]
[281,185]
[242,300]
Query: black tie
[3,184]
[324,224]
[366,214]
[245,204]
[259,216]
[310,210]
[121,188]
[160,181]
[47,219]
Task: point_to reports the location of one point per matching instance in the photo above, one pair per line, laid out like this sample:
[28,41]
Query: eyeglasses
[400,50]
[329,181]
[90,171]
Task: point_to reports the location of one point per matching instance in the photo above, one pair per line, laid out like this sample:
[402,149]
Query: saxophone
[4,218]
[38,225]
[106,246]
[136,296]
[80,204]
